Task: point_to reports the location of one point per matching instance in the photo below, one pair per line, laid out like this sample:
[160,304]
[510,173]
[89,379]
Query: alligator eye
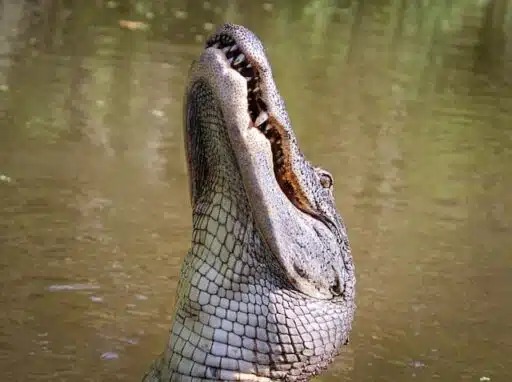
[326,179]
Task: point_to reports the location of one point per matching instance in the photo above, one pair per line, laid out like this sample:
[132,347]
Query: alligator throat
[267,289]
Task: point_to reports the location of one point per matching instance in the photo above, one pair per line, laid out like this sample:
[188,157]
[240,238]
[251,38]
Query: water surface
[409,106]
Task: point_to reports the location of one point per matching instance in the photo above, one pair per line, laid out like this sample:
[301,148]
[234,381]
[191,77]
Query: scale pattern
[237,317]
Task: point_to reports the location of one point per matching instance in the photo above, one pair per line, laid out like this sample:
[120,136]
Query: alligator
[266,291]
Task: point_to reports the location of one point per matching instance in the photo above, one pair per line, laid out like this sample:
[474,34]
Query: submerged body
[266,292]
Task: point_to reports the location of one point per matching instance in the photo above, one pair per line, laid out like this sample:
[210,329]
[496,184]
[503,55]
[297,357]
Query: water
[409,106]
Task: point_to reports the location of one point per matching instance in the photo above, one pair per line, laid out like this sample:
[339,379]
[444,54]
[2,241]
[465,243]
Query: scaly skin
[266,292]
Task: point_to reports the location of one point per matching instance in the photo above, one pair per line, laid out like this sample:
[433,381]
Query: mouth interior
[264,122]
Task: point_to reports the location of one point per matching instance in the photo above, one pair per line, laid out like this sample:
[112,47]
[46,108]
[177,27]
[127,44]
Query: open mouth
[267,124]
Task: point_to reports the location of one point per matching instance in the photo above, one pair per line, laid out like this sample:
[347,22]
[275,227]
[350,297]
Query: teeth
[256,89]
[248,78]
[263,117]
[225,49]
[216,45]
[239,59]
[233,48]
[248,66]
[230,60]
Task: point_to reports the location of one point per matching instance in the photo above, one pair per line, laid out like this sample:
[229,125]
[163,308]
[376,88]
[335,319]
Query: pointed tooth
[240,58]
[216,45]
[263,117]
[248,66]
[256,89]
[233,48]
[230,60]
[225,49]
[248,79]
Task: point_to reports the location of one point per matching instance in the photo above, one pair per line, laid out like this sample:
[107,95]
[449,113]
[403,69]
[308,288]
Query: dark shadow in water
[77,104]
[490,46]
[120,93]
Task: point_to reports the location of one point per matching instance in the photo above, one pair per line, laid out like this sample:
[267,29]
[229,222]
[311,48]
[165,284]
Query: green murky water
[408,104]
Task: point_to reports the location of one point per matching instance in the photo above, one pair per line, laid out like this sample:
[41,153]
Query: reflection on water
[409,106]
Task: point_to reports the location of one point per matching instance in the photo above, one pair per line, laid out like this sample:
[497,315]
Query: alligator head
[267,290]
